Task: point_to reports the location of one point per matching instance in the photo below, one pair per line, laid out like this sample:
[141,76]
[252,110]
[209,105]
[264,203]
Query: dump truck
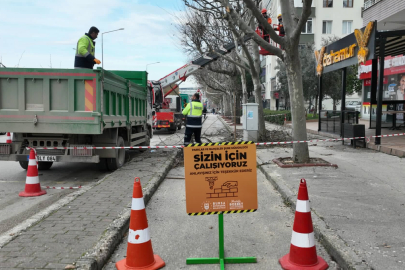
[73,108]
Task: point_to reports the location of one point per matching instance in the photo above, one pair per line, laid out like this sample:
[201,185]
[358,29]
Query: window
[327,27]
[348,3]
[327,3]
[307,29]
[347,27]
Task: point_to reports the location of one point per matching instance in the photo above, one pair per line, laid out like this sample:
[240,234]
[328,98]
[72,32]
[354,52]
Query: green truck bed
[71,101]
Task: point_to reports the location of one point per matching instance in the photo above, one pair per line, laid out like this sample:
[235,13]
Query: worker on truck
[193,110]
[85,50]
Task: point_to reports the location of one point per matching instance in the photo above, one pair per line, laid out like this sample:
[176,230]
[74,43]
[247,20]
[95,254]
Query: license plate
[47,158]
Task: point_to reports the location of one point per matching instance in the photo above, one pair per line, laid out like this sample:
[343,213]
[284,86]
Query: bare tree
[290,56]
[247,56]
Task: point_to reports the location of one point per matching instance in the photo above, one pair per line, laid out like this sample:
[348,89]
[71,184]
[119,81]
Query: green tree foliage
[309,78]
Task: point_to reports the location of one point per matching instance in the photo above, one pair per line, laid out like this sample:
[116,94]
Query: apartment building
[328,18]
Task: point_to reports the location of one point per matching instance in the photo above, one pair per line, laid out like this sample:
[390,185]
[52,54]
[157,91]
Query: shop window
[327,3]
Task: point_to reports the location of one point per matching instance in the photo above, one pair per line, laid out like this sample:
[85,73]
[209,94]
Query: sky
[44,34]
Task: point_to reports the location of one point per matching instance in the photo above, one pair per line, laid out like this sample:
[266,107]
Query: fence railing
[370,3]
[331,121]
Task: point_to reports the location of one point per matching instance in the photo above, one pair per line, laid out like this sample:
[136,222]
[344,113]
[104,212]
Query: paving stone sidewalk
[68,233]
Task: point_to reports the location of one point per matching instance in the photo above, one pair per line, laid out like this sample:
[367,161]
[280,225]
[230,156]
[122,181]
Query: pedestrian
[193,111]
[85,50]
[205,112]
[213,110]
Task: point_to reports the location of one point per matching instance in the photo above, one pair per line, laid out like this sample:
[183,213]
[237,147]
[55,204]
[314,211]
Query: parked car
[353,105]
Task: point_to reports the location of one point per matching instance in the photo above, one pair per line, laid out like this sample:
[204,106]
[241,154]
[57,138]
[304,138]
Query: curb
[97,257]
[333,243]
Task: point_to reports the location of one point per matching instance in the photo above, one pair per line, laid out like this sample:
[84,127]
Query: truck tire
[102,165]
[172,128]
[24,164]
[44,165]
[119,160]
[179,125]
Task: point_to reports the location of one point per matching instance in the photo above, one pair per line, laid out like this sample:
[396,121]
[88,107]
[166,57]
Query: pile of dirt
[288,162]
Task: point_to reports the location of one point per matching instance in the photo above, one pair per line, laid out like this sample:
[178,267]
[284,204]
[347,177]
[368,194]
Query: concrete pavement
[94,219]
[358,209]
[265,234]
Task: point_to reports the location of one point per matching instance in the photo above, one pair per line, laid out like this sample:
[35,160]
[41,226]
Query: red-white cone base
[157,264]
[32,186]
[31,194]
[288,265]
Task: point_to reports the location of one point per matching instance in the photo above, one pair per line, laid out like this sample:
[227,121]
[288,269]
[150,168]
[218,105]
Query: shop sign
[338,54]
[220,178]
[367,82]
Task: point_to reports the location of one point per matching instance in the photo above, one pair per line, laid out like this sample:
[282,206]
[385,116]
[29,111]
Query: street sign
[220,177]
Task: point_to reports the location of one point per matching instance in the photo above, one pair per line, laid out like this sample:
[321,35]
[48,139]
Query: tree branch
[306,12]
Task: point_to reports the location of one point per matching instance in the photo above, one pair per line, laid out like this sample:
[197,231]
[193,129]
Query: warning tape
[48,187]
[265,116]
[210,144]
[222,212]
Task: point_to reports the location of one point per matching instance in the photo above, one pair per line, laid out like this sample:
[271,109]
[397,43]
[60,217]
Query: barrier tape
[48,187]
[265,116]
[211,144]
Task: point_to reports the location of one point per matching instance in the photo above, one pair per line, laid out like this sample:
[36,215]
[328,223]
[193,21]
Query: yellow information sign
[220,178]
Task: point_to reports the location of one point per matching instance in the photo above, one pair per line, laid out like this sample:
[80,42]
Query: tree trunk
[244,87]
[299,132]
[238,108]
[227,103]
[257,86]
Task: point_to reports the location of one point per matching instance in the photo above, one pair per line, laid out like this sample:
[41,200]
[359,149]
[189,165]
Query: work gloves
[98,62]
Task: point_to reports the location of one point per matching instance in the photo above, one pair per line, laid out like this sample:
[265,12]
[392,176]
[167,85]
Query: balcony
[370,3]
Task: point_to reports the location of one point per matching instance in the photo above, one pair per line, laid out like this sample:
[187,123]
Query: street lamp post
[102,47]
[150,64]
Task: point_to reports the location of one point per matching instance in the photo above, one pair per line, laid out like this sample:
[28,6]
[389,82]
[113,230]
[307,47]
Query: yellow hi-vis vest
[193,110]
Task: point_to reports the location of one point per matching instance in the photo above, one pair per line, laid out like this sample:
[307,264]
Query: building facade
[328,18]
[389,15]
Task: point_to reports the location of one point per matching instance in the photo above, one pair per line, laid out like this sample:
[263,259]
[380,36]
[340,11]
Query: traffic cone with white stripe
[302,249]
[139,250]
[32,186]
[8,138]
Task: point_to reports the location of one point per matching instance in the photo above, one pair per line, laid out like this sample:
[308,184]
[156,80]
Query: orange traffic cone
[8,138]
[32,186]
[139,250]
[302,250]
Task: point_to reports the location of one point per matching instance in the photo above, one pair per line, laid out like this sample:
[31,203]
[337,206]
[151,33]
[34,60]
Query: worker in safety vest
[85,50]
[193,110]
[265,34]
[280,26]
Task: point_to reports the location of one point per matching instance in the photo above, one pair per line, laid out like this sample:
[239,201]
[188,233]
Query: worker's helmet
[264,11]
[278,16]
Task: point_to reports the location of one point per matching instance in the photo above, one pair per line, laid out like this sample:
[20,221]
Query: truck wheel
[44,165]
[179,126]
[119,160]
[172,128]
[24,164]
[102,165]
